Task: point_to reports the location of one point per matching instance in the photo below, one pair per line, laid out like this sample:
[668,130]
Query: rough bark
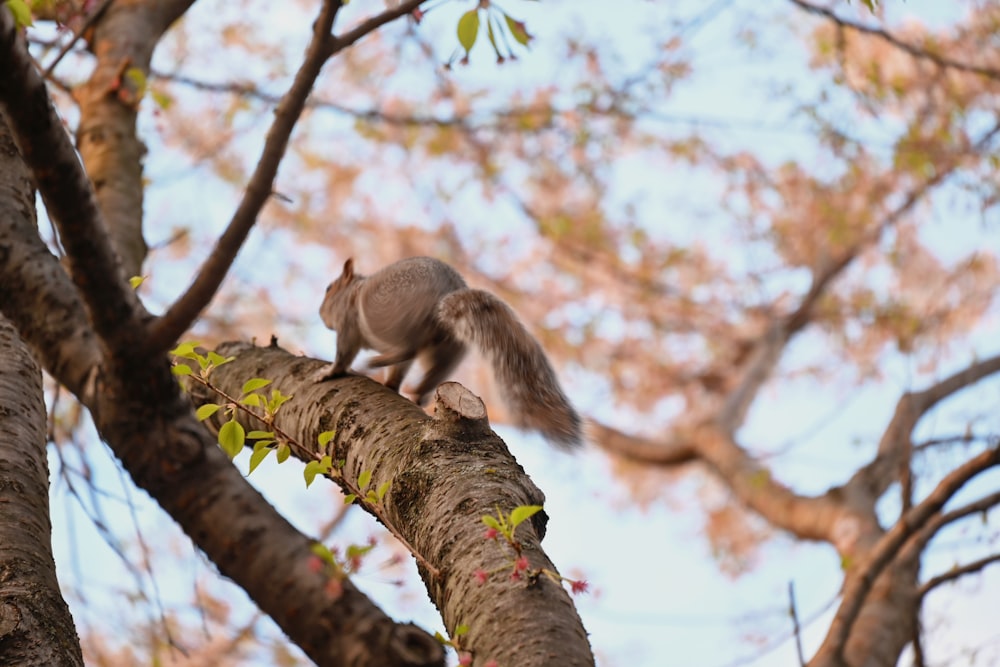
[35,624]
[445,474]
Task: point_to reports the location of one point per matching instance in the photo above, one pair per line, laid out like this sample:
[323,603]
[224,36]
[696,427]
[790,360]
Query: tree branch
[341,42]
[438,512]
[956,572]
[164,331]
[641,450]
[64,186]
[860,581]
[875,477]
[37,627]
[912,49]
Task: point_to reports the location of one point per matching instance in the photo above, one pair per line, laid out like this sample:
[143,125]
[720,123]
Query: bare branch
[339,43]
[795,623]
[165,330]
[641,450]
[912,49]
[875,477]
[956,572]
[82,28]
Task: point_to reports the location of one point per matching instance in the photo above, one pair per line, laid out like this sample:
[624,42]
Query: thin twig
[89,21]
[956,572]
[795,623]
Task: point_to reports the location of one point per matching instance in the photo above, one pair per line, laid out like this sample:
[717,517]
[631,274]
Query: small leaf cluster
[373,496]
[206,362]
[232,435]
[342,567]
[503,526]
[501,29]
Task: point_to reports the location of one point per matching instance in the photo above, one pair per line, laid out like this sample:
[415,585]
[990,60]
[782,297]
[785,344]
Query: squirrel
[421,307]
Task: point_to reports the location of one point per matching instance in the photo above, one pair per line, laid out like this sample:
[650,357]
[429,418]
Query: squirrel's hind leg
[439,360]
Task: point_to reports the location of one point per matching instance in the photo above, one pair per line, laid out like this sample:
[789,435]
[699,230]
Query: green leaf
[206,411]
[258,457]
[357,550]
[522,512]
[371,498]
[491,522]
[312,469]
[441,638]
[162,99]
[135,281]
[138,79]
[364,479]
[323,552]
[260,435]
[186,350]
[517,30]
[22,15]
[181,369]
[383,489]
[277,400]
[468,29]
[350,498]
[284,451]
[460,630]
[325,437]
[253,400]
[254,384]
[231,437]
[219,360]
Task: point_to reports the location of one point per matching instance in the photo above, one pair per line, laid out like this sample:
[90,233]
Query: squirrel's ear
[349,268]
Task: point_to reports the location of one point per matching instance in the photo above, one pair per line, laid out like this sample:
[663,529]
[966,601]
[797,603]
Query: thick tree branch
[641,450]
[64,186]
[444,475]
[37,628]
[913,49]
[860,580]
[164,331]
[60,333]
[123,40]
[138,411]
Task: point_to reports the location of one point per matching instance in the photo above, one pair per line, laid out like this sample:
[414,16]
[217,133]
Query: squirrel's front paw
[328,372]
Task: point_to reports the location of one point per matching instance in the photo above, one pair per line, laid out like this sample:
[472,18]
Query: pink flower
[521,564]
[578,586]
[481,576]
[490,534]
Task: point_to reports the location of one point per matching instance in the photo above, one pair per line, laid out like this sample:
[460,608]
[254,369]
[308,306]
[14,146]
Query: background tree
[715,293]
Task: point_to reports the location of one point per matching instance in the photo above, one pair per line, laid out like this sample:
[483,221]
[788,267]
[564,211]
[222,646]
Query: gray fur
[421,307]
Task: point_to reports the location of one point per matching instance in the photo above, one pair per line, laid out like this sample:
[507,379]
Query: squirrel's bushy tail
[526,380]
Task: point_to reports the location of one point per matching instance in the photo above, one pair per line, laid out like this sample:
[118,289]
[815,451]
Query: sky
[658,596]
